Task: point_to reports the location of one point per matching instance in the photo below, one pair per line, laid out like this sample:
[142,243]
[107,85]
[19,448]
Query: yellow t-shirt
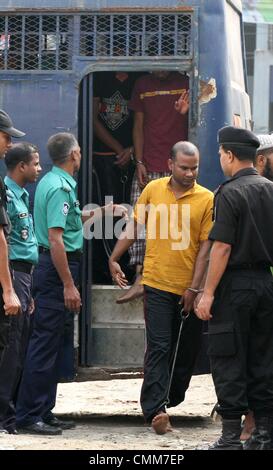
[174,229]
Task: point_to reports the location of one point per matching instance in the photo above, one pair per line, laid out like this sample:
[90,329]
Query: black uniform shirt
[243,215]
[4,220]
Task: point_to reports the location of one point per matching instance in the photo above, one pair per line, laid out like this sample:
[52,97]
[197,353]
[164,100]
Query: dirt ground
[108,417]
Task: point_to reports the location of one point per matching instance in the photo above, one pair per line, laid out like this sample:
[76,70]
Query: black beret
[231,135]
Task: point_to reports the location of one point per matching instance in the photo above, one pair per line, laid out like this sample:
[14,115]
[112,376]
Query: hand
[124,157]
[118,276]
[203,308]
[12,305]
[183,103]
[142,175]
[117,210]
[72,298]
[187,300]
[208,91]
[31,307]
[197,300]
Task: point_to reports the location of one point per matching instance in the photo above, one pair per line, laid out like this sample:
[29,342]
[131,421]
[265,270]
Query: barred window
[49,42]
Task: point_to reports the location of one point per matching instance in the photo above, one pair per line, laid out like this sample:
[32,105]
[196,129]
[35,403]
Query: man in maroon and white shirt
[160,102]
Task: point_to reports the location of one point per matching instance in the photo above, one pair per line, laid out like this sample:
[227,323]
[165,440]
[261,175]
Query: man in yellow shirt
[177,213]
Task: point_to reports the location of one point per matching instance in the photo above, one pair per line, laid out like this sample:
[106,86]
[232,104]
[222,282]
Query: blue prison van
[49,53]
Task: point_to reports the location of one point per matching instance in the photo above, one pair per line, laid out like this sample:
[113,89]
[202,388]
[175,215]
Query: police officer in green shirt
[22,162]
[58,222]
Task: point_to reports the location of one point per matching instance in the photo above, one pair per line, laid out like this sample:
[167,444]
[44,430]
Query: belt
[71,255]
[22,266]
[253,266]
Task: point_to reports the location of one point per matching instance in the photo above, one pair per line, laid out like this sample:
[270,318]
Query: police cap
[6,125]
[238,137]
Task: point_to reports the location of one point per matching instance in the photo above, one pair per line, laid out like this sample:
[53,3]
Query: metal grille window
[49,42]
[31,42]
[142,35]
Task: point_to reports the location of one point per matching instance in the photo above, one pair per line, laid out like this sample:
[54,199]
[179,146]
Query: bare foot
[249,426]
[135,291]
[161,423]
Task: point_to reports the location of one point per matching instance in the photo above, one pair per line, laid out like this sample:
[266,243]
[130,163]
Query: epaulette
[10,195]
[65,186]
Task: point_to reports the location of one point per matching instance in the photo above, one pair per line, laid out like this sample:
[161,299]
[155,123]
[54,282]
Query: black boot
[261,436]
[230,439]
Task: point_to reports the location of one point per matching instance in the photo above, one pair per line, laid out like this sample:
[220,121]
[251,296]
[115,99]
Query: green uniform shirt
[56,206]
[23,245]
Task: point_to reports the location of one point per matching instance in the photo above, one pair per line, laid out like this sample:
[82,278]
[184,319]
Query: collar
[64,174]
[244,172]
[17,190]
[189,191]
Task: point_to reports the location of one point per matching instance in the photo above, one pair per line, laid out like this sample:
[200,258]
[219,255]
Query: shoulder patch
[66,187]
[65,208]
[10,195]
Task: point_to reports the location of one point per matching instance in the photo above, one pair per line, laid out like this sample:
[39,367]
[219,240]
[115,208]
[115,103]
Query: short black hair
[60,146]
[185,147]
[242,153]
[21,152]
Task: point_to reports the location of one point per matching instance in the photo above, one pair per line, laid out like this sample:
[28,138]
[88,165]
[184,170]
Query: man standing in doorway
[177,213]
[160,102]
[113,150]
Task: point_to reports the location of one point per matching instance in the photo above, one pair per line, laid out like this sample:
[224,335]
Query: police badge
[65,208]
[24,234]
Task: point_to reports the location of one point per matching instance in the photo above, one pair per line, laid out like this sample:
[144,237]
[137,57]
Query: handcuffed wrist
[195,291]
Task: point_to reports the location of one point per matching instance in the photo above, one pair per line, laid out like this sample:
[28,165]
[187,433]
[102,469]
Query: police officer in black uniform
[9,302]
[238,294]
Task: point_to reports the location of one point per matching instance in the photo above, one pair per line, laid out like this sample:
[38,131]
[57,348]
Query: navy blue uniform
[55,206]
[23,255]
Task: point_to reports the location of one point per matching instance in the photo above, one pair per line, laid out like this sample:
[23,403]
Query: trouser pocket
[221,339]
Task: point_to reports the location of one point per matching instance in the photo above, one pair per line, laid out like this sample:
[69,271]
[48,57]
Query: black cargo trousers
[241,342]
[162,320]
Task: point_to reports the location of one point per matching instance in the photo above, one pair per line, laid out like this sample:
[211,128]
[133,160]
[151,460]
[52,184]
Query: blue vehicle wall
[45,103]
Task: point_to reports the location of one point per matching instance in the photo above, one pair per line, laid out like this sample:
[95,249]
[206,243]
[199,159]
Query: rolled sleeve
[225,225]
[206,224]
[222,233]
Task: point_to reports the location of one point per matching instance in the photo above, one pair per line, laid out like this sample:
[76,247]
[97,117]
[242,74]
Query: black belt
[71,255]
[22,266]
[263,266]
